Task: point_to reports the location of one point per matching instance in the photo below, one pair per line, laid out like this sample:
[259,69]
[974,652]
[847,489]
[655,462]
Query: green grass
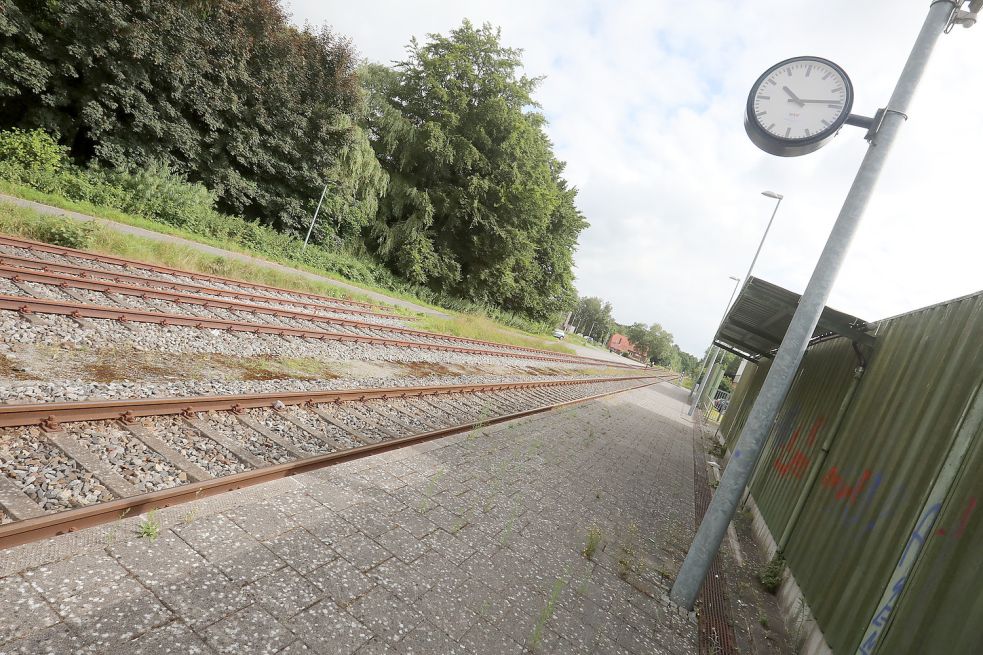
[32,224]
[150,526]
[593,541]
[475,326]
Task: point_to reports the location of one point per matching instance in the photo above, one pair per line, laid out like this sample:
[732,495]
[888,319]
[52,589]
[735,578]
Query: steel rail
[88,273]
[28,306]
[117,277]
[129,263]
[50,525]
[19,274]
[51,414]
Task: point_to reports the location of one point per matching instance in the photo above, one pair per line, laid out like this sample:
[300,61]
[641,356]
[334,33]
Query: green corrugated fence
[868,506]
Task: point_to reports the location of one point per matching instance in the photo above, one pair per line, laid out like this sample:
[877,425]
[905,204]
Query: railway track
[71,465]
[32,285]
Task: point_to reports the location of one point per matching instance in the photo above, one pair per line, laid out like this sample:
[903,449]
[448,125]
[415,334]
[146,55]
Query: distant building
[620,344]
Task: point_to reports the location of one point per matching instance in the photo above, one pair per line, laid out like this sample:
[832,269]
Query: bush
[772,574]
[31,157]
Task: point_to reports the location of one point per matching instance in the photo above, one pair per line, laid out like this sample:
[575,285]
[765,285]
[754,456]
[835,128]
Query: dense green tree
[476,205]
[225,92]
[593,315]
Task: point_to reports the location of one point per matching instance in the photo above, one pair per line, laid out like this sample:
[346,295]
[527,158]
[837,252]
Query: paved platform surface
[477,543]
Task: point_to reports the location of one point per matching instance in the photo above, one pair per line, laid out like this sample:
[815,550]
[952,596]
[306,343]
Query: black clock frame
[780,146]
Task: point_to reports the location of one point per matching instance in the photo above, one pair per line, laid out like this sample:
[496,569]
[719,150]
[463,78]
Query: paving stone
[341,581]
[415,522]
[262,522]
[486,638]
[203,596]
[361,551]
[175,638]
[66,578]
[426,639]
[402,544]
[369,518]
[448,610]
[24,610]
[403,580]
[58,639]
[326,526]
[113,614]
[376,646]
[330,630]
[158,561]
[292,503]
[336,497]
[284,592]
[385,614]
[302,550]
[449,546]
[250,630]
[297,647]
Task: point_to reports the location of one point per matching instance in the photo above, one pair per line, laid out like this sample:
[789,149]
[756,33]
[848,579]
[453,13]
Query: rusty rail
[23,265]
[117,280]
[49,525]
[28,306]
[129,263]
[93,410]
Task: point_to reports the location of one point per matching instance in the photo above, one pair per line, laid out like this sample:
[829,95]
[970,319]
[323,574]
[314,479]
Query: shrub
[31,157]
[772,573]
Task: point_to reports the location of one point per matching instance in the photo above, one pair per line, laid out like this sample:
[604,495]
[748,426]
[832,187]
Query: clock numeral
[808,70]
[832,106]
[789,71]
[808,133]
[771,127]
[787,132]
[826,76]
[764,97]
[825,122]
[773,82]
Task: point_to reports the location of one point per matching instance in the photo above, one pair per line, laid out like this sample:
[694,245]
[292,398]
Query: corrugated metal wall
[872,487]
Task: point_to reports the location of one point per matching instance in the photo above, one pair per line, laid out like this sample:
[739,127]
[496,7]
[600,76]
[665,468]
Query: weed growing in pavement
[717,449]
[763,619]
[150,526]
[547,613]
[772,573]
[593,541]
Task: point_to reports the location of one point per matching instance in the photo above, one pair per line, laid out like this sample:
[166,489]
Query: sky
[645,103]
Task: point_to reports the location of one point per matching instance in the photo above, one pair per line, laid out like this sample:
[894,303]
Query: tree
[476,204]
[224,92]
[592,315]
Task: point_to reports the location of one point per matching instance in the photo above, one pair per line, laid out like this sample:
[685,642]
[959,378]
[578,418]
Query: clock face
[798,105]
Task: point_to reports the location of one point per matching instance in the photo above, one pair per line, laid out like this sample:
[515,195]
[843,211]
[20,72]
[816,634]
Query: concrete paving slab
[495,561]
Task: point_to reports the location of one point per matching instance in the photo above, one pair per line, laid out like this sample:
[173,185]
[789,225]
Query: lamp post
[942,16]
[779,197]
[311,228]
[712,353]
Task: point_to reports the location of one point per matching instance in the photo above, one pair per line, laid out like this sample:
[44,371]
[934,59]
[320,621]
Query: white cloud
[645,103]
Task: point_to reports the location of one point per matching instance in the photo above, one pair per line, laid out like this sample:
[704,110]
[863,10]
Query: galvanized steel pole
[711,355]
[738,472]
[311,228]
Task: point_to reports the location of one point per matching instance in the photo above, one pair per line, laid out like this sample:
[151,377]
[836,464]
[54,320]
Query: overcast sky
[645,103]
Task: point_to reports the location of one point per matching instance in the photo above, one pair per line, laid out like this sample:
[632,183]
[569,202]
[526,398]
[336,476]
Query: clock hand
[795,98]
[827,102]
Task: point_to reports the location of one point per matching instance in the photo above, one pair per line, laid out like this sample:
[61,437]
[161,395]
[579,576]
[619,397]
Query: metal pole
[776,385]
[311,228]
[763,237]
[712,347]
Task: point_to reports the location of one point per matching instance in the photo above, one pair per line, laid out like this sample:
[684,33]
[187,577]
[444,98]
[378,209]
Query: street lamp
[311,228]
[778,197]
[712,351]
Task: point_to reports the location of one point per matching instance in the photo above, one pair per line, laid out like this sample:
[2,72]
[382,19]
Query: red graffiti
[796,463]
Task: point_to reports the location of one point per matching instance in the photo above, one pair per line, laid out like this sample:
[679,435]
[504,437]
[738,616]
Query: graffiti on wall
[924,529]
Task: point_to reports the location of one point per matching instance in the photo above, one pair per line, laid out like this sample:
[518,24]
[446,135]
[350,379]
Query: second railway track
[69,465]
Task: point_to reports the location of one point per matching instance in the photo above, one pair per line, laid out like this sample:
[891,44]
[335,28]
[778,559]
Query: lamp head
[772,194]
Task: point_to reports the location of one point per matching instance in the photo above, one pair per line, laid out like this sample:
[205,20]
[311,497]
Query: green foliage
[476,206]
[593,541]
[772,573]
[149,527]
[592,316]
[227,93]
